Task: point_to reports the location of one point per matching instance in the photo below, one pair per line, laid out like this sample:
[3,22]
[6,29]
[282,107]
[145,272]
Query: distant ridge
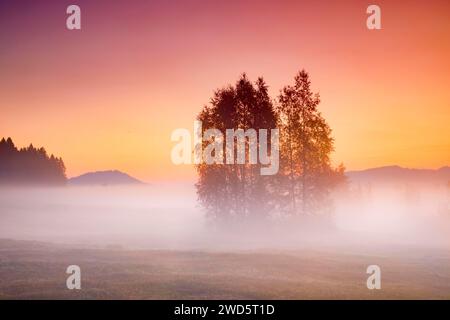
[397,174]
[104,178]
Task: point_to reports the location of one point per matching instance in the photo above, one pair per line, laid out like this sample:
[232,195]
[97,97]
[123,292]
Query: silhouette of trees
[305,178]
[229,191]
[29,165]
[306,144]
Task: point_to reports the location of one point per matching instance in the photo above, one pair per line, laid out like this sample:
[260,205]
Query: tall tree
[231,191]
[306,176]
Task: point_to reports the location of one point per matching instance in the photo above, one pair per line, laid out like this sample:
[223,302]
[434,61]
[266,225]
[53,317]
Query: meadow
[36,270]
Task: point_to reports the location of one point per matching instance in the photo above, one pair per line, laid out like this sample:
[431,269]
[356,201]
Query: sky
[109,95]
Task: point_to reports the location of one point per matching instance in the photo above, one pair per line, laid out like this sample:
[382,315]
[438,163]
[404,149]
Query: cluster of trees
[305,177]
[29,165]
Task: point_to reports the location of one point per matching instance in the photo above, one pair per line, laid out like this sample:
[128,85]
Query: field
[36,270]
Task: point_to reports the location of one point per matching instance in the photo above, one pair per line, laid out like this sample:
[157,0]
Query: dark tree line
[305,178]
[29,165]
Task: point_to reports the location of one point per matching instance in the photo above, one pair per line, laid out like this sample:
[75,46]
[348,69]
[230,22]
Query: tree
[229,191]
[306,176]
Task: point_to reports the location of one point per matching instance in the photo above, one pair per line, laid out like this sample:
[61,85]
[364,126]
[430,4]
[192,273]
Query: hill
[104,178]
[399,175]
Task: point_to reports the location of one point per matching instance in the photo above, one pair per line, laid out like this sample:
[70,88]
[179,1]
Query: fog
[402,214]
[167,216]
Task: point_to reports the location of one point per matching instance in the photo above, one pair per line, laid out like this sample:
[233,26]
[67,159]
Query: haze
[166,216]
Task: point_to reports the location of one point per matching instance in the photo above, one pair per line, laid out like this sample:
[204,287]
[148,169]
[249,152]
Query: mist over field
[138,216]
[167,216]
[154,242]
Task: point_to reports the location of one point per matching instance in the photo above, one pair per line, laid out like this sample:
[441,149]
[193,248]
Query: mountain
[399,175]
[104,178]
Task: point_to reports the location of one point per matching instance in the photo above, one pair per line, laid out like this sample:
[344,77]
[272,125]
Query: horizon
[191,179]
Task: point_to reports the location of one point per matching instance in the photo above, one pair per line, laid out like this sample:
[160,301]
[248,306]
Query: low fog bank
[413,214]
[167,216]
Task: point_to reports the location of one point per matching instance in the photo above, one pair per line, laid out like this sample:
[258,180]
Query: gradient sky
[108,96]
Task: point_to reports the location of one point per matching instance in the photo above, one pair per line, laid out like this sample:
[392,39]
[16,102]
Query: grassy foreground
[32,270]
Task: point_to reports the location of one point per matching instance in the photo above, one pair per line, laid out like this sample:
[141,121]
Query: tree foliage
[305,177]
[306,145]
[231,191]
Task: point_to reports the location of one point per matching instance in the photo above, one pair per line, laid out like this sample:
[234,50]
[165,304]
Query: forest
[29,165]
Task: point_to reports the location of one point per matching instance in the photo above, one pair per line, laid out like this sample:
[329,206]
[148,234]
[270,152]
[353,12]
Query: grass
[32,270]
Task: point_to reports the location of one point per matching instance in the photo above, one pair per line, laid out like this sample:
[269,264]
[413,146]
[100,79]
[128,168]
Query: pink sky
[108,96]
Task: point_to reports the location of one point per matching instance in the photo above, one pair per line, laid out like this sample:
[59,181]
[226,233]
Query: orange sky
[108,96]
